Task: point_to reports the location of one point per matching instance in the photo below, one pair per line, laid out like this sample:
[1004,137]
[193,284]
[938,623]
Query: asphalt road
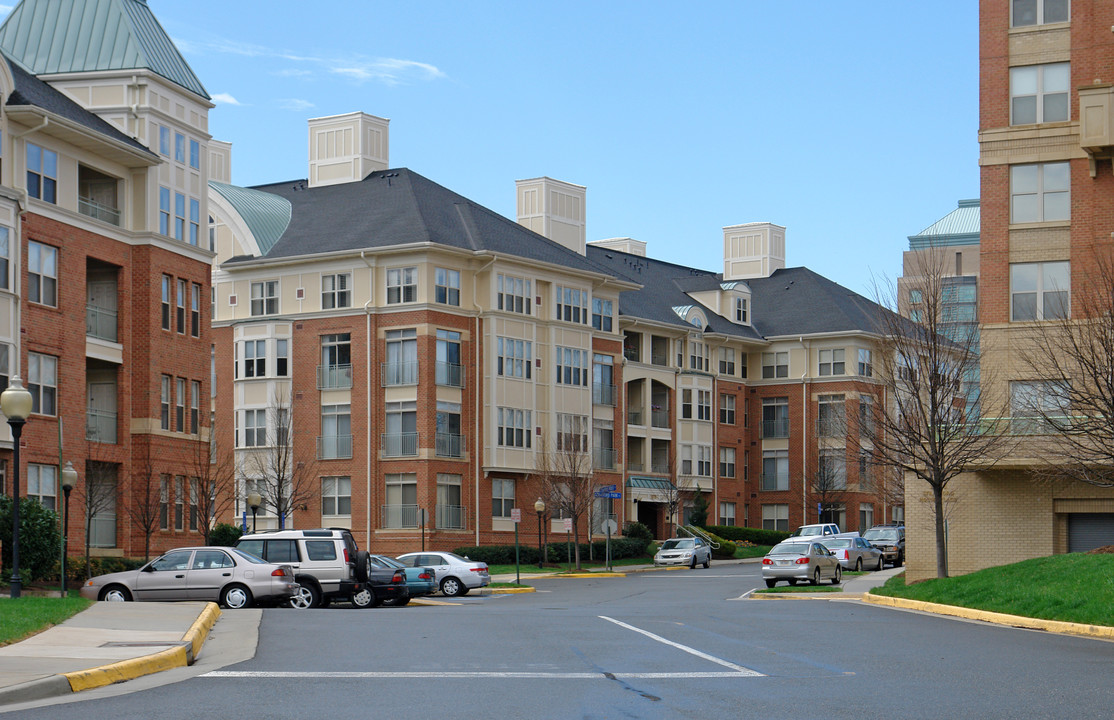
[679,644]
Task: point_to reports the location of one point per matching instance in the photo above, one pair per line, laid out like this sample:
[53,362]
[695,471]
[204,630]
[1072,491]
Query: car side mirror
[148,568]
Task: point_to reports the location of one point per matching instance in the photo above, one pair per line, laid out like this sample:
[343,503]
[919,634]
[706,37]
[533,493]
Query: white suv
[327,565]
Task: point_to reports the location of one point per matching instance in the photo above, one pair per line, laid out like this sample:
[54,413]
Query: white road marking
[479,674]
[691,651]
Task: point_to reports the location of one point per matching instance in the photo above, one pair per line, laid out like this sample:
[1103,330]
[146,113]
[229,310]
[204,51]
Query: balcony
[659,467]
[632,354]
[829,427]
[100,426]
[334,447]
[634,417]
[448,445]
[100,322]
[398,516]
[400,373]
[448,374]
[774,481]
[399,444]
[777,428]
[659,418]
[334,377]
[603,394]
[98,211]
[634,465]
[603,458]
[450,517]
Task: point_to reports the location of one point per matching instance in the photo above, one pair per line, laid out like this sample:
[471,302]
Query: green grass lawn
[752,552]
[1074,588]
[26,616]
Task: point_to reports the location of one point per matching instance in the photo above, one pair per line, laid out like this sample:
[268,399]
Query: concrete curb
[589,575]
[511,591]
[829,595]
[64,683]
[1054,626]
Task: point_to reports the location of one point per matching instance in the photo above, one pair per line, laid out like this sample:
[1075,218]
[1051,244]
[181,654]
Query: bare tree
[1066,407]
[144,505]
[97,494]
[568,484]
[683,489]
[212,485]
[924,363]
[285,483]
[828,484]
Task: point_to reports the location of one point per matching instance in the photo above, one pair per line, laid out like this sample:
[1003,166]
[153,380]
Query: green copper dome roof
[267,215]
[65,36]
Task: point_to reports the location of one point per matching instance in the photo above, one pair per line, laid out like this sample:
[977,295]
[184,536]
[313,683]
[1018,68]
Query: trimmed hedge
[621,547]
[40,543]
[75,566]
[755,536]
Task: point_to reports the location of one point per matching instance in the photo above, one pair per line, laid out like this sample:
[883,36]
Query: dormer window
[740,310]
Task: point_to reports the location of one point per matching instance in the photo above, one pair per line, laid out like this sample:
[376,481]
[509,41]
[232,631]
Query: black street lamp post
[69,480]
[16,404]
[539,508]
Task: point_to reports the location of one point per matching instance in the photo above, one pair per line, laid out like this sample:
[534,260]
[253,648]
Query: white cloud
[225,99]
[5,9]
[295,104]
[391,71]
[293,72]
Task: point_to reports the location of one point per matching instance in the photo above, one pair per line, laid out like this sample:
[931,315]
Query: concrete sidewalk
[105,644]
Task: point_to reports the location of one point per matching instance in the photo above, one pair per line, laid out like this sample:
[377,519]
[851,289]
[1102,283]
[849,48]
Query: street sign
[568,525]
[608,488]
[607,494]
[516,515]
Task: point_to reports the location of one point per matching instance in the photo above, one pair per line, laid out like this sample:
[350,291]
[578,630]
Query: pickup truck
[821,531]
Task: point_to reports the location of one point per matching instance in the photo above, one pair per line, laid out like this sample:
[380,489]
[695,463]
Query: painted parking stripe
[685,648]
[343,675]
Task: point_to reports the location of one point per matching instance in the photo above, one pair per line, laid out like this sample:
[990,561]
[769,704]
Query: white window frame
[264,298]
[741,310]
[336,291]
[336,492]
[775,365]
[254,428]
[727,409]
[704,405]
[832,362]
[42,274]
[42,382]
[572,366]
[513,428]
[41,183]
[1041,292]
[602,314]
[775,516]
[513,294]
[502,497]
[727,457]
[5,259]
[727,513]
[726,361]
[1039,19]
[1043,189]
[446,286]
[164,402]
[255,358]
[513,358]
[866,362]
[1039,77]
[572,305]
[572,433]
[164,210]
[42,484]
[402,285]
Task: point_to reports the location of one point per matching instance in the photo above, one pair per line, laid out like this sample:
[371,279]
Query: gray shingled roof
[29,90]
[64,36]
[400,207]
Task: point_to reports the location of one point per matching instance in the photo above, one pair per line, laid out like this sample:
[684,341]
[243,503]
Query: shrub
[755,536]
[726,549]
[699,516]
[637,530]
[621,547]
[40,542]
[225,534]
[75,567]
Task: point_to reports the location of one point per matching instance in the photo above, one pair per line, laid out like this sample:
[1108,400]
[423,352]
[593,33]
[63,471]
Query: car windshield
[674,544]
[386,562]
[789,548]
[806,530]
[881,535]
[837,543]
[248,556]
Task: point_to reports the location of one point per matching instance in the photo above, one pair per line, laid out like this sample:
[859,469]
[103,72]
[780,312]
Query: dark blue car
[419,580]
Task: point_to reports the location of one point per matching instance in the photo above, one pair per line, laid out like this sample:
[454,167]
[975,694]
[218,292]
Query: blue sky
[851,123]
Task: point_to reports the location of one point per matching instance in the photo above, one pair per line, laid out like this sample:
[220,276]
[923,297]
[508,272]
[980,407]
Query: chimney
[346,148]
[627,245]
[554,209]
[752,250]
[220,161]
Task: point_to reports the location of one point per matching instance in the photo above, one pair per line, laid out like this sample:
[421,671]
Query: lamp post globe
[254,501]
[539,508]
[16,403]
[69,480]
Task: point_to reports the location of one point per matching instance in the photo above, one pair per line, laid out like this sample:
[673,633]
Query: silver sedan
[226,575]
[684,551]
[855,553]
[795,561]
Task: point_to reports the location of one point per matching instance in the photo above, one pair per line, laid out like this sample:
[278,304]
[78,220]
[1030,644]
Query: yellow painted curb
[1056,626]
[199,631]
[589,575]
[424,601]
[127,669]
[511,591]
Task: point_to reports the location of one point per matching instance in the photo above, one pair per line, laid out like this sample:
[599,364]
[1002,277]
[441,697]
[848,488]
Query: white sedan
[455,575]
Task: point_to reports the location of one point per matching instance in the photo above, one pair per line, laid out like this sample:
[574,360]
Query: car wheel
[771,583]
[363,565]
[451,587]
[692,565]
[900,560]
[235,597]
[881,562]
[307,596]
[115,593]
[838,577]
[815,577]
[858,564]
[707,562]
[364,599]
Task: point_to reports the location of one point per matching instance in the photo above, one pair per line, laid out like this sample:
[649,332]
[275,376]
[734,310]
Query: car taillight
[801,561]
[844,555]
[480,569]
[425,576]
[346,558]
[767,561]
[278,572]
[398,578]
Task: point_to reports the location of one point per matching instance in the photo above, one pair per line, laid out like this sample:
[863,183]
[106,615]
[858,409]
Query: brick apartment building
[1046,136]
[102,278]
[421,352]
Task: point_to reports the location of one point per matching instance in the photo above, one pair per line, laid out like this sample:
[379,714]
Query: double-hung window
[775,365]
[255,428]
[832,362]
[5,259]
[727,409]
[602,314]
[513,427]
[513,294]
[42,173]
[255,358]
[195,154]
[336,291]
[42,274]
[402,285]
[775,469]
[1040,291]
[502,497]
[195,220]
[572,366]
[195,406]
[572,433]
[698,355]
[740,310]
[42,381]
[164,403]
[42,484]
[866,362]
[513,357]
[164,210]
[264,297]
[686,404]
[195,310]
[180,406]
[1038,12]
[164,140]
[180,147]
[1039,93]
[1040,192]
[572,305]
[336,495]
[727,462]
[703,405]
[282,358]
[446,286]
[179,216]
[180,315]
[727,361]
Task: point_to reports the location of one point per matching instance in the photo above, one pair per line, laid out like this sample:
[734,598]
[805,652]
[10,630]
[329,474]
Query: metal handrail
[694,531]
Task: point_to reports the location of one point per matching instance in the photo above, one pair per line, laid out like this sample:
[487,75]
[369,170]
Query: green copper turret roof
[267,215]
[66,36]
[959,227]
